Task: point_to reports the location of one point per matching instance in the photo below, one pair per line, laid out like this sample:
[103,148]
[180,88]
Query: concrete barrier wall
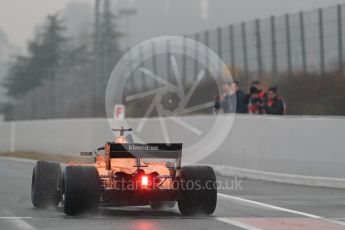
[6,136]
[291,145]
[66,137]
[284,145]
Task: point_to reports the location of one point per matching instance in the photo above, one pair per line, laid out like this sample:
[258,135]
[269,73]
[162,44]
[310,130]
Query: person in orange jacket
[261,93]
[254,101]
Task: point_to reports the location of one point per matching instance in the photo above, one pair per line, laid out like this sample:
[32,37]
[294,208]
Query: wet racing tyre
[81,185]
[198,191]
[44,184]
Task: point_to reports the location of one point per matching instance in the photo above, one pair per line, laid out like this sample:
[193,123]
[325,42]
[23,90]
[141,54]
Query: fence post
[154,63]
[132,80]
[322,46]
[219,36]
[207,41]
[232,51]
[274,47]
[303,46]
[288,43]
[220,53]
[184,61]
[245,55]
[196,62]
[168,60]
[258,47]
[143,78]
[340,37]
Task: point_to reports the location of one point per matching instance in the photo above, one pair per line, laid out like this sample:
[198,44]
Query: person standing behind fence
[217,105]
[254,101]
[274,104]
[228,100]
[241,98]
[261,93]
[234,99]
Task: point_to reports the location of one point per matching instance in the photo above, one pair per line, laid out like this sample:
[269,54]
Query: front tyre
[44,184]
[199,191]
[81,189]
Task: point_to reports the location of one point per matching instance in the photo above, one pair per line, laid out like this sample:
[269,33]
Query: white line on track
[236,223]
[14,217]
[280,209]
[18,222]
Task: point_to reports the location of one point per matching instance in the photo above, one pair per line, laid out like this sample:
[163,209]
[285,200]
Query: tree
[53,46]
[18,80]
[46,53]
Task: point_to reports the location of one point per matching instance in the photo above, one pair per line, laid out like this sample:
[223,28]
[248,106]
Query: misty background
[137,20]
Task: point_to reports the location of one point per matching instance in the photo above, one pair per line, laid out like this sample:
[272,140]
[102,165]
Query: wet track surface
[250,205]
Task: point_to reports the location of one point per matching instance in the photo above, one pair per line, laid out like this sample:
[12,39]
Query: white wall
[290,145]
[5,136]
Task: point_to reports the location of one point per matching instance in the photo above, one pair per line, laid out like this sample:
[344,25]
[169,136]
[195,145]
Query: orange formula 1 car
[126,174]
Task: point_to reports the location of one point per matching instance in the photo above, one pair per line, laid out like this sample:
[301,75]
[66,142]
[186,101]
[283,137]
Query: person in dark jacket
[274,104]
[217,105]
[241,98]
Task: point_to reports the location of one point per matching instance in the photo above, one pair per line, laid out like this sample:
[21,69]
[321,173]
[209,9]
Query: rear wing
[139,151]
[151,150]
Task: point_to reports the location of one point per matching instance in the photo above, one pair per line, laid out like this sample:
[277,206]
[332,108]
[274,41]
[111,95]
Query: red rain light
[144,181]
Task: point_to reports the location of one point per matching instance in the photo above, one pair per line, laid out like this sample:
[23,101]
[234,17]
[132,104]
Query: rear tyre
[198,192]
[81,189]
[163,205]
[44,184]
